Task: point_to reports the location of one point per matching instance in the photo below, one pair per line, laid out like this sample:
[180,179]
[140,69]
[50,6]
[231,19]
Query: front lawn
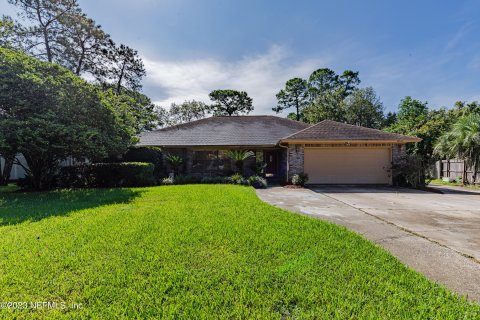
[199,251]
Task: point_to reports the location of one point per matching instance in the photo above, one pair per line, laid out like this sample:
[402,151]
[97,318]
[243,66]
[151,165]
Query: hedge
[107,175]
[146,154]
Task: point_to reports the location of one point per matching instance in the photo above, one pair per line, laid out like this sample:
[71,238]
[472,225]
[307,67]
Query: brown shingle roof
[224,131]
[328,130]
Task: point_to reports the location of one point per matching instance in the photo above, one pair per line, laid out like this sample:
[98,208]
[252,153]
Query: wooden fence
[455,169]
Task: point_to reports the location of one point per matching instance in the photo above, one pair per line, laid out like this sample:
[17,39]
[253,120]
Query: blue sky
[427,49]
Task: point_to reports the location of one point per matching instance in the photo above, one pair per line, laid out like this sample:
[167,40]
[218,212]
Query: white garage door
[352,165]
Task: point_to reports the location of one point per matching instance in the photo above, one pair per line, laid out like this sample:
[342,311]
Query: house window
[209,162]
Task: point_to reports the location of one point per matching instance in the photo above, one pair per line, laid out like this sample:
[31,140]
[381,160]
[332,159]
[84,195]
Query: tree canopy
[58,31]
[230,102]
[295,94]
[48,114]
[364,108]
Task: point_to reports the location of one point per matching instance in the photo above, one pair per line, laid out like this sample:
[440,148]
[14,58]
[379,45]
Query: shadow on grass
[34,206]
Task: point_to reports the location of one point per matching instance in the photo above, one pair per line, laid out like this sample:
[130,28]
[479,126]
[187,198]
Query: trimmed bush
[299,179]
[257,182]
[146,154]
[184,179]
[214,180]
[237,179]
[123,174]
[107,175]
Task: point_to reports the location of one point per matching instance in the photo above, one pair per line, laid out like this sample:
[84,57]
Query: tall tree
[125,68]
[8,32]
[364,108]
[350,81]
[230,102]
[327,106]
[327,93]
[82,42]
[295,94]
[48,114]
[40,34]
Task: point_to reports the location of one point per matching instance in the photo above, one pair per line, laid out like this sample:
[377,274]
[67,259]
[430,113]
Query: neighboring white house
[18,172]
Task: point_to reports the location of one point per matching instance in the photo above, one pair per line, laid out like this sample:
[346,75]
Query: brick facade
[295,159]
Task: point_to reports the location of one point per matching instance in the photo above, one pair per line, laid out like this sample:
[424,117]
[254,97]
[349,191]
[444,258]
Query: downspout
[288,159]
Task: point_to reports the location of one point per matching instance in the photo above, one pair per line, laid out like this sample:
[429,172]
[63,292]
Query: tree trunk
[297,105]
[120,77]
[5,172]
[45,34]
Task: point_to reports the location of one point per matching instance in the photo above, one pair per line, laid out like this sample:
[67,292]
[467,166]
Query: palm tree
[463,142]
[175,162]
[239,156]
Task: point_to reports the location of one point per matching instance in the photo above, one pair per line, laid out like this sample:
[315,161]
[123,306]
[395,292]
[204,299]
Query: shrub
[146,154]
[257,182]
[107,175]
[78,176]
[409,172]
[181,179]
[237,179]
[175,162]
[214,180]
[299,179]
[123,174]
[167,181]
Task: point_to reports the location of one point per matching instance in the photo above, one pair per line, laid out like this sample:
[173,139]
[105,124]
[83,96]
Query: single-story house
[329,152]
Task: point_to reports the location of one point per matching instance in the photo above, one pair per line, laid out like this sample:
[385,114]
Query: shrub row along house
[329,152]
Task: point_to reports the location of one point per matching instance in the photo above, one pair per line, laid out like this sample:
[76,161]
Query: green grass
[199,252]
[454,183]
[9,188]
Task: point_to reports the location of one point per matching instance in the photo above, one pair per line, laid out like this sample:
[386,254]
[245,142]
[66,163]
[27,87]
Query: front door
[271,159]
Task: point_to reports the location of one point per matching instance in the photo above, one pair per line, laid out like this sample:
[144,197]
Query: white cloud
[261,76]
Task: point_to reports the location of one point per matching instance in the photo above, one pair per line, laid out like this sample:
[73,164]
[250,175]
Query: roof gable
[328,130]
[224,131]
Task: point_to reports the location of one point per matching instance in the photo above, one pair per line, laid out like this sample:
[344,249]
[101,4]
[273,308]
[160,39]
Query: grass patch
[198,252]
[454,183]
[9,188]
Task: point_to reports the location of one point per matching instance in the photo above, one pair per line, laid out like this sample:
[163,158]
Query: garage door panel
[348,165]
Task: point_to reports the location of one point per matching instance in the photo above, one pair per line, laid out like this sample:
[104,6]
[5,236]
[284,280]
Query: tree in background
[390,119]
[48,114]
[230,102]
[364,108]
[124,68]
[327,106]
[415,119]
[295,94]
[462,142]
[58,31]
[7,32]
[187,111]
[81,43]
[327,92]
[40,34]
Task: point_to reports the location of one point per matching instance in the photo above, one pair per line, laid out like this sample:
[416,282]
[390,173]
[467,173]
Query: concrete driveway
[436,234]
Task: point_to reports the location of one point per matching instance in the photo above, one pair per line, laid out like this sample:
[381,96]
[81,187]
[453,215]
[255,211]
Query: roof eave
[343,141]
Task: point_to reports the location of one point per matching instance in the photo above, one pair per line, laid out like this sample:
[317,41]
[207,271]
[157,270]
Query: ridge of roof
[355,127]
[212,118]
